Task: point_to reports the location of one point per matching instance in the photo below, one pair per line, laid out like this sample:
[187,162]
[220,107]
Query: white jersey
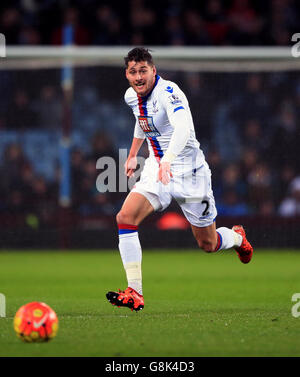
[152,114]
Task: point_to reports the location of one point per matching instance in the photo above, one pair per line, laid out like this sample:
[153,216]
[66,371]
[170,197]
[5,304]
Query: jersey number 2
[205,212]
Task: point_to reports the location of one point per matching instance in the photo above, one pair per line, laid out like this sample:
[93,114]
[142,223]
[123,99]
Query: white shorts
[192,191]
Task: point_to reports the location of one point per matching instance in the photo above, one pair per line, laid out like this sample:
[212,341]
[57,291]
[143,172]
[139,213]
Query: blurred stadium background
[232,58]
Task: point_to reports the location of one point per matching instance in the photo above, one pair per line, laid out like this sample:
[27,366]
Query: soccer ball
[35,322]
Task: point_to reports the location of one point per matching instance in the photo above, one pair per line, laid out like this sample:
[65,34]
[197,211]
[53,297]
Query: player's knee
[208,245]
[125,218]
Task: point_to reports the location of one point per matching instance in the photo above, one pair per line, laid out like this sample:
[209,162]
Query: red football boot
[245,251]
[129,298]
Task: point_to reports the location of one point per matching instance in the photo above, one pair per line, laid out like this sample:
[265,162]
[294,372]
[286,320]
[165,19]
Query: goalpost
[173,58]
[102,68]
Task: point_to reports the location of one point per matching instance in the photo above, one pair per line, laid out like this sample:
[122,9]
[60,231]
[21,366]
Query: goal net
[62,109]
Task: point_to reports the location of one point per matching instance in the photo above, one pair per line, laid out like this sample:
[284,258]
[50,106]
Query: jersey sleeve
[138,132]
[173,99]
[177,108]
[127,96]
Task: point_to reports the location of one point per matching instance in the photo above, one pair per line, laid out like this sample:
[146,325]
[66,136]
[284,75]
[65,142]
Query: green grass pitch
[196,304]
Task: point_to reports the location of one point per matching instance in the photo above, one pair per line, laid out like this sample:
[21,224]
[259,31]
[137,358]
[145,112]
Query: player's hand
[164,173]
[130,166]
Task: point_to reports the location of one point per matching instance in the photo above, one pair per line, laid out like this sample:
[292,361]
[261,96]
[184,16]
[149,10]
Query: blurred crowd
[247,124]
[143,22]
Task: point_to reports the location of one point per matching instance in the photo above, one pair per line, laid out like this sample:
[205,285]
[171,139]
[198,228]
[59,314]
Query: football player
[175,169]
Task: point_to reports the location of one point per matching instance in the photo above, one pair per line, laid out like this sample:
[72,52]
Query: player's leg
[211,240]
[134,210]
[198,205]
[206,237]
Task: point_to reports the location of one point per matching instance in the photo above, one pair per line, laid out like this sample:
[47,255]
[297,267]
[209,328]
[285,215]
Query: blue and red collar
[157,77]
[142,101]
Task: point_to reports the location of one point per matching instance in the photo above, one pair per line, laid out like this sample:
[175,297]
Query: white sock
[228,238]
[131,255]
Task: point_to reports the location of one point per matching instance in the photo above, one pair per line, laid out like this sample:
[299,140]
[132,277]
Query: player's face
[141,77]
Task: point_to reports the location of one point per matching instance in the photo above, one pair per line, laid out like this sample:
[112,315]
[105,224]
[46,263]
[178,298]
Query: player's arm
[138,139]
[131,162]
[180,120]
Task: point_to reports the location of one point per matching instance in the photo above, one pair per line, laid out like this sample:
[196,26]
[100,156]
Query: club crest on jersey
[146,124]
[155,108]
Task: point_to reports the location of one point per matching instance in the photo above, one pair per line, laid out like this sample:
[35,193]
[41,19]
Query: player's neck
[152,86]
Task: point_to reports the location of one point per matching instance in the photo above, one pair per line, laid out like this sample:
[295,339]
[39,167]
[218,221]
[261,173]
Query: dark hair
[139,54]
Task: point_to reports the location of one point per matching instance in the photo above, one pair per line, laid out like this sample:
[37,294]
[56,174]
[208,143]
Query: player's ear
[154,69]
